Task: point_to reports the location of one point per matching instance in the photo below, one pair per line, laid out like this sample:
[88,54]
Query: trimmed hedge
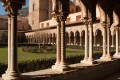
[38,64]
[40,49]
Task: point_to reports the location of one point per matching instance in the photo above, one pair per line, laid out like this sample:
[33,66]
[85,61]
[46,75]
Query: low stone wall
[84,72]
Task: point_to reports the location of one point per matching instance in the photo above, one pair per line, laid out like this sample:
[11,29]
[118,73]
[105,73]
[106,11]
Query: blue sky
[2,11]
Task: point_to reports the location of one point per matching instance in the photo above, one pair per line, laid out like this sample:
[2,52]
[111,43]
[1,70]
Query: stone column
[75,40]
[94,40]
[49,40]
[69,40]
[58,41]
[90,59]
[117,55]
[60,13]
[12,73]
[108,56]
[112,41]
[104,41]
[9,43]
[86,43]
[80,40]
[63,66]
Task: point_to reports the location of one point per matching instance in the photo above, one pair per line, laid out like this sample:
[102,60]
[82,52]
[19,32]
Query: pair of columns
[88,43]
[117,54]
[61,47]
[106,43]
[12,72]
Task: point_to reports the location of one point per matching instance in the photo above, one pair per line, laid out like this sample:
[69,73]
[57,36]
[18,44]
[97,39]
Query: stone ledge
[77,72]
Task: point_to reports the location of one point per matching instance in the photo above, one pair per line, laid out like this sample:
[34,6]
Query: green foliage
[40,49]
[3,37]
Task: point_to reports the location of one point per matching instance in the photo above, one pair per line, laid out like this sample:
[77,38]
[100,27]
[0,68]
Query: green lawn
[23,56]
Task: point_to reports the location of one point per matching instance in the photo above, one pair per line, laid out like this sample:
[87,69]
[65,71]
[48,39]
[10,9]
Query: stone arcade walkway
[79,72]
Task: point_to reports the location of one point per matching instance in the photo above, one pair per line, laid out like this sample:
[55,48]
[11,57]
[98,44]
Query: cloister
[108,22]
[74,35]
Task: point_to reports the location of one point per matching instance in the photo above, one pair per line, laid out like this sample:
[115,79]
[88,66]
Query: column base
[63,67]
[103,57]
[12,76]
[84,61]
[55,67]
[89,61]
[112,46]
[106,58]
[116,55]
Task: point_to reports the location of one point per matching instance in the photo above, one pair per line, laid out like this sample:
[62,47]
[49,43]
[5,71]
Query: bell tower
[39,10]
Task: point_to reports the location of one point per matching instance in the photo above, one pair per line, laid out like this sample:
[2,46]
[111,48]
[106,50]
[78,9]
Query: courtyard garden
[30,61]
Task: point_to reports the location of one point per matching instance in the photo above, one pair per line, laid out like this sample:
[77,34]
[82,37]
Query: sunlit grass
[23,56]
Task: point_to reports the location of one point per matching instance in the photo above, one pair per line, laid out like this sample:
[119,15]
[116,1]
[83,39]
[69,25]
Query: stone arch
[99,37]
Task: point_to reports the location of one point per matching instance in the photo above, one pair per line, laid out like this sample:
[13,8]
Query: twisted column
[12,7]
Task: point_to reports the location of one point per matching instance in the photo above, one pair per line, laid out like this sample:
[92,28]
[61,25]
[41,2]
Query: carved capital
[117,27]
[103,24]
[12,6]
[87,21]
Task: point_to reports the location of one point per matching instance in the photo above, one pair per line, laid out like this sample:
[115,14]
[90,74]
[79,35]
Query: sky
[2,11]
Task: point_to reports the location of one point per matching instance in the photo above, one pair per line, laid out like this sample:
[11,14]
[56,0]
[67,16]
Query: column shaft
[58,44]
[69,40]
[94,40]
[117,41]
[80,40]
[14,43]
[63,46]
[90,41]
[9,43]
[112,41]
[74,40]
[86,42]
[104,44]
[108,43]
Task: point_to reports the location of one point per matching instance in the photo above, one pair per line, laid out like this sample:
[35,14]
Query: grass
[24,56]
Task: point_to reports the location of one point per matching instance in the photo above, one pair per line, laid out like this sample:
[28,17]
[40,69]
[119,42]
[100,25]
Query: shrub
[41,49]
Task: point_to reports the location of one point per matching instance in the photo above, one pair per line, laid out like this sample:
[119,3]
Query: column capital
[117,27]
[87,21]
[12,6]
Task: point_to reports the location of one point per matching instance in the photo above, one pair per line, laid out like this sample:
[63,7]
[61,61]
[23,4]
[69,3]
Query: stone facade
[22,23]
[39,10]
